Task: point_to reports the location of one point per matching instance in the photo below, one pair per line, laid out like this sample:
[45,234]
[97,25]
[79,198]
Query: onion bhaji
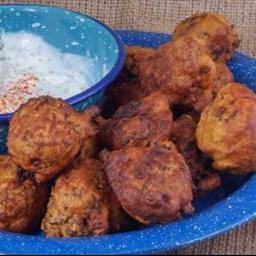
[128,87]
[135,56]
[183,71]
[139,123]
[22,201]
[153,184]
[183,136]
[82,203]
[46,134]
[223,77]
[121,93]
[227,130]
[88,124]
[211,30]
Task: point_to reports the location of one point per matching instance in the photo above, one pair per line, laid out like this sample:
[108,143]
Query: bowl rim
[105,81]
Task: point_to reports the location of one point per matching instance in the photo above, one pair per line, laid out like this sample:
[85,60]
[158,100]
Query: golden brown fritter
[211,30]
[128,87]
[123,92]
[22,201]
[40,138]
[227,130]
[183,135]
[90,148]
[82,203]
[139,123]
[119,219]
[88,123]
[183,71]
[153,184]
[223,77]
[46,134]
[135,56]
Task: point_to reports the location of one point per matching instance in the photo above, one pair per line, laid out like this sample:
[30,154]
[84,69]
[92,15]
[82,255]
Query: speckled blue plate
[229,206]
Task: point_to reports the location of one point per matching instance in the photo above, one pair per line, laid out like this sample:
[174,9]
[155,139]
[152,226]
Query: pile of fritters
[172,120]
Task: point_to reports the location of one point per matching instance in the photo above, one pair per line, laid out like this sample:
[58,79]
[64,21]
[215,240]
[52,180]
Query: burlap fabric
[161,16]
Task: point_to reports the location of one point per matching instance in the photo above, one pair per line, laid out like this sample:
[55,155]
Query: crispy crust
[80,204]
[46,134]
[211,30]
[226,131]
[139,123]
[153,184]
[123,92]
[40,138]
[135,56]
[183,71]
[223,78]
[128,87]
[204,177]
[22,201]
[88,123]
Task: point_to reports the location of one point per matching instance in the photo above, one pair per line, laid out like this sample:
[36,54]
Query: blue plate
[229,206]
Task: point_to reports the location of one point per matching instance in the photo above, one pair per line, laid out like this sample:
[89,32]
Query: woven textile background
[161,16]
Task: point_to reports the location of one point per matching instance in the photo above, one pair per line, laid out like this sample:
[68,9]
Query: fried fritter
[223,77]
[139,123]
[128,87]
[41,140]
[88,124]
[121,93]
[183,135]
[183,71]
[46,134]
[82,203]
[211,30]
[90,148]
[22,201]
[153,184]
[227,130]
[135,56]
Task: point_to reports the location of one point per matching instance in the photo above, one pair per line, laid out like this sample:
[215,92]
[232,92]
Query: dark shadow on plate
[230,184]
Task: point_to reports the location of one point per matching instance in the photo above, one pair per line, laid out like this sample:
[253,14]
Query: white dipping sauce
[30,67]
